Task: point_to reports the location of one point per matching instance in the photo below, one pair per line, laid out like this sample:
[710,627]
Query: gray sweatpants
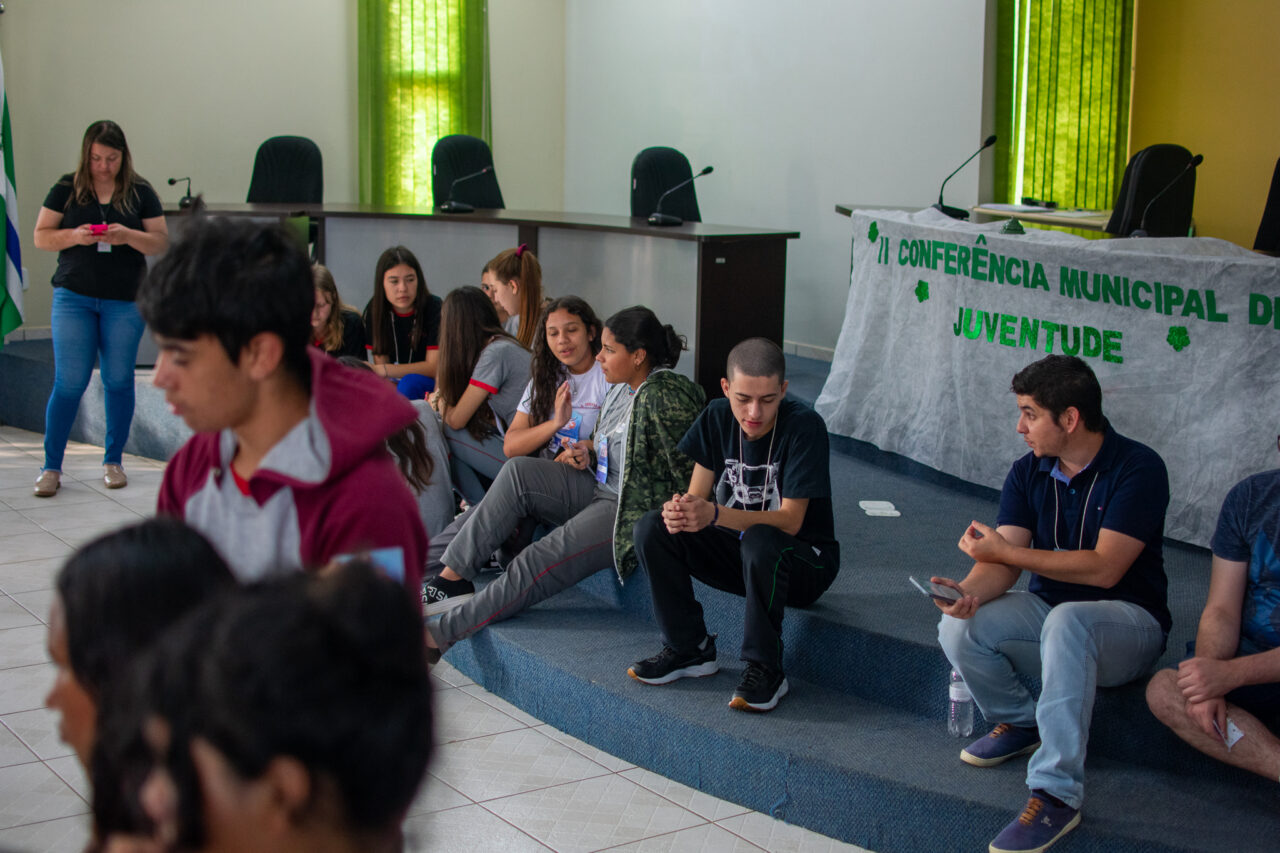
[580,545]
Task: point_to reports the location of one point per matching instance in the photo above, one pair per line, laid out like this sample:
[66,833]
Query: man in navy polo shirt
[1083,513]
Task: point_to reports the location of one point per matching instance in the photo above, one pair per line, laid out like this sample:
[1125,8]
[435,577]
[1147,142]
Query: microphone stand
[451,206]
[665,219]
[959,212]
[186,201]
[1141,230]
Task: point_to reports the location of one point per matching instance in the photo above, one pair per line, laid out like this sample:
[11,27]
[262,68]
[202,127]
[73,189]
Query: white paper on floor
[879,509]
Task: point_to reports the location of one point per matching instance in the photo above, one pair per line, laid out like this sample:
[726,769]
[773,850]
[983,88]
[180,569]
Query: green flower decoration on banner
[1178,338]
[922,291]
[873,233]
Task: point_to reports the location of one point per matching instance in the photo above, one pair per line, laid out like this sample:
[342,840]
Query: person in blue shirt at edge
[1083,513]
[756,521]
[1224,699]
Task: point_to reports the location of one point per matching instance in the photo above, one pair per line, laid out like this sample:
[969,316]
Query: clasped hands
[688,513]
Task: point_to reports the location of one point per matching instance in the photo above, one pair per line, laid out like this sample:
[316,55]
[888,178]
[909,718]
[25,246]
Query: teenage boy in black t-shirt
[756,521]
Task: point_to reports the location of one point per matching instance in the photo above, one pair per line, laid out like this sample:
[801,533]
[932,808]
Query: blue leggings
[85,329]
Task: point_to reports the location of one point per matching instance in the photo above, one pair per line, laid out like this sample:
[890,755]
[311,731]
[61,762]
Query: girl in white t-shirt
[562,400]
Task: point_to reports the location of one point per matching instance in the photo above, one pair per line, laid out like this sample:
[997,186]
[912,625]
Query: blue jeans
[85,329]
[1074,648]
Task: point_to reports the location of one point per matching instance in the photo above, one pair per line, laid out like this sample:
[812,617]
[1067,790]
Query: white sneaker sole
[739,703]
[699,671]
[438,607]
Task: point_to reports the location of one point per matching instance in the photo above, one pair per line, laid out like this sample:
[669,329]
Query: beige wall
[526,72]
[1204,77]
[197,86]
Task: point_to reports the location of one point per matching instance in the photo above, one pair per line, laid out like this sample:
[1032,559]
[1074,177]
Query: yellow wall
[1205,77]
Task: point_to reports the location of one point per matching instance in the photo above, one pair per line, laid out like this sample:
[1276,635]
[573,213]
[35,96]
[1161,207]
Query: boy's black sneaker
[668,665]
[440,595]
[760,689]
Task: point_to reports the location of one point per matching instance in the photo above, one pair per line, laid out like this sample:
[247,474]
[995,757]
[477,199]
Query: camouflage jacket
[665,406]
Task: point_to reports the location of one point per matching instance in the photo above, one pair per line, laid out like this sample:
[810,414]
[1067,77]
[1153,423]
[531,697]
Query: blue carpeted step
[866,772]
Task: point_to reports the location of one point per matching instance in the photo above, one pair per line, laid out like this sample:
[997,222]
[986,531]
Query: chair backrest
[653,172]
[1149,171]
[458,155]
[288,170]
[1268,239]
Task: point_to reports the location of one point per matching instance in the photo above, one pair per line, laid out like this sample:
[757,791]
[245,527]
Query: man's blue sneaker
[1040,825]
[1004,742]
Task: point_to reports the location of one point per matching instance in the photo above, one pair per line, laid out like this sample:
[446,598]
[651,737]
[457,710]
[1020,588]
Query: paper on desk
[1079,214]
[1018,208]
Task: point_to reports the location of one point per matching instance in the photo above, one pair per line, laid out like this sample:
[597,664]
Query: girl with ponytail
[513,280]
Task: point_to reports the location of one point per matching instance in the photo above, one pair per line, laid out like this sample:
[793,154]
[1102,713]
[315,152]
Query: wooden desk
[1085,220]
[716,284]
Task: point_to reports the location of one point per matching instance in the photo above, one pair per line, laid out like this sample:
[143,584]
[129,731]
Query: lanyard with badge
[99,230]
[602,449]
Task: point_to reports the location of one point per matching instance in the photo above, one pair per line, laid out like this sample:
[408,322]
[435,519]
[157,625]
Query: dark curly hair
[548,372]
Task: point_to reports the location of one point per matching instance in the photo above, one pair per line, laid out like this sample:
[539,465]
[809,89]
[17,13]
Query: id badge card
[104,247]
[602,460]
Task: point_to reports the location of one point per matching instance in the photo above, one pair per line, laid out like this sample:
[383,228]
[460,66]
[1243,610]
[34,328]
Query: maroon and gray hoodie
[328,488]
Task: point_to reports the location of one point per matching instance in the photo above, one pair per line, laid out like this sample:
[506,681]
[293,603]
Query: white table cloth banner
[1183,333]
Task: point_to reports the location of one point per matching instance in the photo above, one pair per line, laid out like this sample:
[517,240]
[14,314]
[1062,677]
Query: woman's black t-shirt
[85,270]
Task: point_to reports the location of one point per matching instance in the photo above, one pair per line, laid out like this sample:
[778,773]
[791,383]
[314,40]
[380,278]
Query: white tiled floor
[500,780]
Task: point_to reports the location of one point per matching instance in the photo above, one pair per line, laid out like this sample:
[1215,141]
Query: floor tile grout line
[546,788]
[652,837]
[67,781]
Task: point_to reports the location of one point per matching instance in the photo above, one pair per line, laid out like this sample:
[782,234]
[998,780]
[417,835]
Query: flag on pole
[11,269]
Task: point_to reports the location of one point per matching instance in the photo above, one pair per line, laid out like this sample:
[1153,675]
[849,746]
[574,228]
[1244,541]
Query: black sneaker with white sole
[760,689]
[440,595]
[668,665]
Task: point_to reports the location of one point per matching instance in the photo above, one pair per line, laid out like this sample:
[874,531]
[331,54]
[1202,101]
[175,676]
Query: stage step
[868,773]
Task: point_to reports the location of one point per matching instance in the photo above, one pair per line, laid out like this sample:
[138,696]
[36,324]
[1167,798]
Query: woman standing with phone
[102,220]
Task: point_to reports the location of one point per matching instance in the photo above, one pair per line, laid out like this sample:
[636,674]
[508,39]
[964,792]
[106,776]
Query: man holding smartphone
[1083,513]
[1223,697]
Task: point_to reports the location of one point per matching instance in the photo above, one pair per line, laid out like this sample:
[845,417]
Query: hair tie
[521,249]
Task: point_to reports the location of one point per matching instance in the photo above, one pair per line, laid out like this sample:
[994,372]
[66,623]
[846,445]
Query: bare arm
[426,367]
[1215,670]
[986,580]
[469,403]
[50,236]
[152,239]
[1102,566]
[524,437]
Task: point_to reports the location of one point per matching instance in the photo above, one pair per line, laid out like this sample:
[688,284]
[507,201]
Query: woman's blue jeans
[85,330]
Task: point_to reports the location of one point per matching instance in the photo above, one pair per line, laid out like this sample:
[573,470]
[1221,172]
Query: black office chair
[459,155]
[287,170]
[1149,171]
[1268,239]
[653,172]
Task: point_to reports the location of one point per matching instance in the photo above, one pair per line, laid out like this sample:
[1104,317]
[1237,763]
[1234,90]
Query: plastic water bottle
[960,707]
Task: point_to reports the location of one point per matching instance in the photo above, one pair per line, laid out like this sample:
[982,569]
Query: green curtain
[423,74]
[1063,100]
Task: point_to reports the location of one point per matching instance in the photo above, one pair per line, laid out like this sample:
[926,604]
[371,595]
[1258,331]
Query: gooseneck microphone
[960,212]
[451,206]
[664,219]
[186,200]
[1141,230]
